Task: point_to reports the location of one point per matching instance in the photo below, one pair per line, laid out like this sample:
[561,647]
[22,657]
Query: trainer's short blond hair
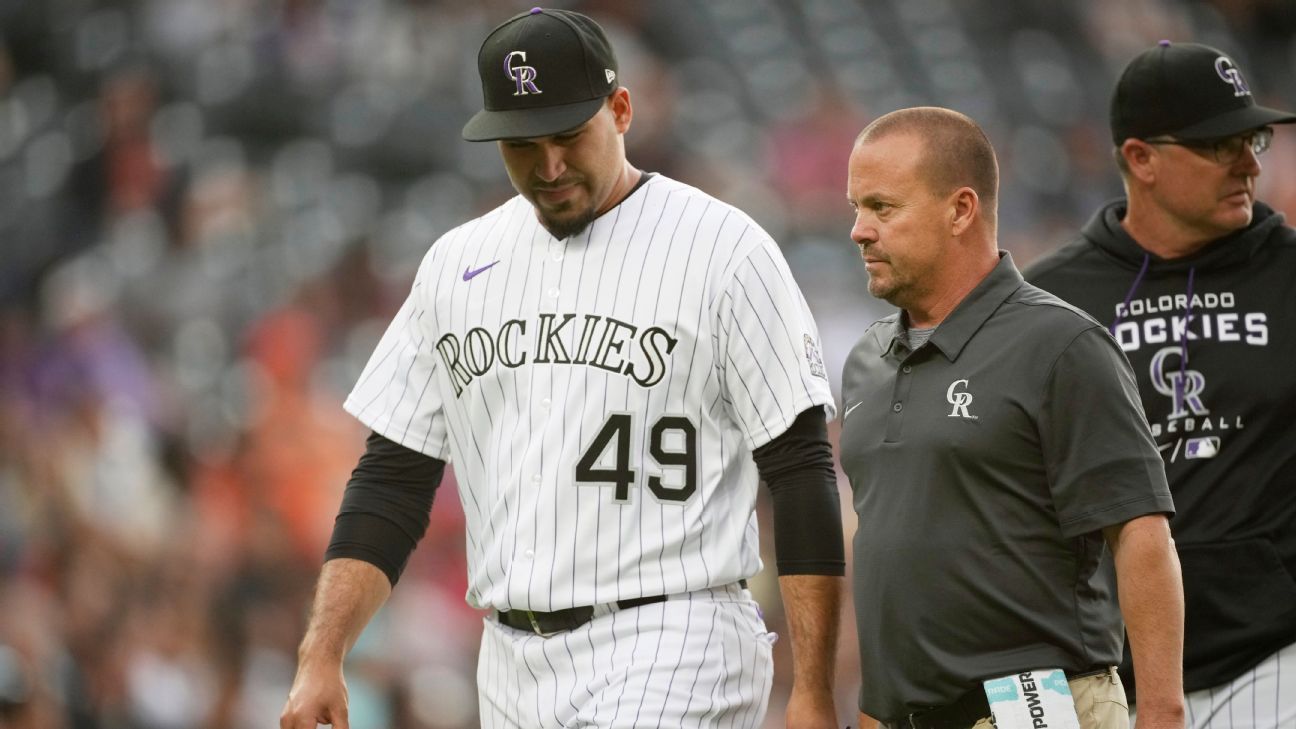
[957,152]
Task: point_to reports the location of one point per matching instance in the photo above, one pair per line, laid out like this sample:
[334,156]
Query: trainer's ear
[622,111]
[1139,160]
[964,209]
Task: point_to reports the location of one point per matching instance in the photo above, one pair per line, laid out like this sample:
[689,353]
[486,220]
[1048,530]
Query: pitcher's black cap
[1188,91]
[542,72]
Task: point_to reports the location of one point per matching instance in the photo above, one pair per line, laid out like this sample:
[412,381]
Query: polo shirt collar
[954,333]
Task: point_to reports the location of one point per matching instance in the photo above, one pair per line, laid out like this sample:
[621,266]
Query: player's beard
[564,219]
[567,227]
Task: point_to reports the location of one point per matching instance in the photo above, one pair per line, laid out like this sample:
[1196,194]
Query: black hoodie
[1220,395]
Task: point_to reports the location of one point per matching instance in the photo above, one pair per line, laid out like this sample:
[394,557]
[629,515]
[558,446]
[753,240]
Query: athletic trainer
[1000,464]
[611,360]
[1194,277]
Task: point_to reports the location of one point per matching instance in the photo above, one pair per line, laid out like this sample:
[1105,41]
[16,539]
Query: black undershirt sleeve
[797,467]
[386,506]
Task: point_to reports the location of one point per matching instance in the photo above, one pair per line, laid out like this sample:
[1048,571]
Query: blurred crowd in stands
[209,209]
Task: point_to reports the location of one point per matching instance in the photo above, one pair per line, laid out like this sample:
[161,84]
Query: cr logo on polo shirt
[960,400]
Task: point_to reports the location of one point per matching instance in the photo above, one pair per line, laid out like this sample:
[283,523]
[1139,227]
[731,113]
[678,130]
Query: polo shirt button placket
[899,393]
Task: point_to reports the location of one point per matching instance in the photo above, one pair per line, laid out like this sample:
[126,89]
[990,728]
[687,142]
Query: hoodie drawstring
[1120,313]
[1183,339]
[1183,336]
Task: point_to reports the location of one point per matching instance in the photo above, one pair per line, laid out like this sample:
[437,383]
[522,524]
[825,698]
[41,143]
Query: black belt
[546,624]
[967,709]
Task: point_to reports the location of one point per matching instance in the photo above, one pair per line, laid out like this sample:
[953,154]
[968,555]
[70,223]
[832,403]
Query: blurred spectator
[124,172]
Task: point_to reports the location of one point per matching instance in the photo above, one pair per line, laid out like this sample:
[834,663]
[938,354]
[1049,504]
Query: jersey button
[553,293]
[545,403]
[557,255]
[535,478]
[529,554]
[906,369]
[897,407]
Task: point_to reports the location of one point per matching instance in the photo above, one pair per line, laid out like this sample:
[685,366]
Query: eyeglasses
[1226,150]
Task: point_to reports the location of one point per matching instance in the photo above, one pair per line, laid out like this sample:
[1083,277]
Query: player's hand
[318,696]
[868,722]
[811,709]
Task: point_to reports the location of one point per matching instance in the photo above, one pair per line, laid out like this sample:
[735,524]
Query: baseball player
[610,359]
[1193,277]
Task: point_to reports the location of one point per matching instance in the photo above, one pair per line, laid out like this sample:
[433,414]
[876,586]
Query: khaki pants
[1099,701]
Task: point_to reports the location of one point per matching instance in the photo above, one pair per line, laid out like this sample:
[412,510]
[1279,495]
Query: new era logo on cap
[1187,91]
[542,72]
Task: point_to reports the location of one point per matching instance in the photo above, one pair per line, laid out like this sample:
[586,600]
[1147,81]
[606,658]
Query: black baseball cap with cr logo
[542,72]
[1188,91]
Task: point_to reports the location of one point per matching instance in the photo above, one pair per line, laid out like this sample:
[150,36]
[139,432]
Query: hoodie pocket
[1239,602]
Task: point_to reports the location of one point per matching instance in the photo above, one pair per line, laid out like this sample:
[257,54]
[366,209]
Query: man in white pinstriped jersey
[610,359]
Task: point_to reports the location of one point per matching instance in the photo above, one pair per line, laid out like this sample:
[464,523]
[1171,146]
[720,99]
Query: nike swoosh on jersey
[470,272]
[849,409]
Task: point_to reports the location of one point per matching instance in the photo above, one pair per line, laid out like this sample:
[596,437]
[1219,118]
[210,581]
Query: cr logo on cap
[1227,71]
[523,76]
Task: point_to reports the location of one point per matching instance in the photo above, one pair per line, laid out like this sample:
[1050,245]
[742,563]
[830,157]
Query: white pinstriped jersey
[600,396]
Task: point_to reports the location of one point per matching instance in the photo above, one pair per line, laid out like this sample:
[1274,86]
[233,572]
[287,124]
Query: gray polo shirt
[984,465]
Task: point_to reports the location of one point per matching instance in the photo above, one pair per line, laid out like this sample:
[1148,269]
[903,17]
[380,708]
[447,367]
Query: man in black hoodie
[1195,279]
